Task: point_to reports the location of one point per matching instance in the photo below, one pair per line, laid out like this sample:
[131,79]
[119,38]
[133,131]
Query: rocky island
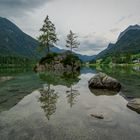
[59,62]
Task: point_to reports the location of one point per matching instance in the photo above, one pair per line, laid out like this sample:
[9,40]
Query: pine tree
[48,35]
[71,41]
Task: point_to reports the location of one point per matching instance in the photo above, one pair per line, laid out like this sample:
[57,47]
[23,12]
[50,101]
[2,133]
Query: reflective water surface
[58,106]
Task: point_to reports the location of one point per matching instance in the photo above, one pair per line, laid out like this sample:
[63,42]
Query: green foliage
[98,61]
[53,78]
[129,43]
[70,60]
[12,61]
[135,56]
[48,59]
[71,41]
[48,35]
[48,100]
[125,58]
[108,60]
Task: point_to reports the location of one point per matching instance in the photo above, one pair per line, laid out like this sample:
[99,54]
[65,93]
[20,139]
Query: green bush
[48,59]
[70,59]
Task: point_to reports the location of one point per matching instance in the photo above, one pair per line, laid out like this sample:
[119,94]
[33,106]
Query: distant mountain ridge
[13,41]
[84,58]
[128,42]
[131,27]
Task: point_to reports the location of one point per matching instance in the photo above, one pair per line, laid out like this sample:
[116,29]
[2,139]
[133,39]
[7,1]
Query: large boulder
[103,81]
[134,105]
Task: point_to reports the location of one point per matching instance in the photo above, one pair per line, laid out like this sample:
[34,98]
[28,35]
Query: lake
[59,106]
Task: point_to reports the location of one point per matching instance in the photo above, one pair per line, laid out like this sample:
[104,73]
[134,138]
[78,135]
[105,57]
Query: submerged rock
[134,105]
[97,116]
[103,81]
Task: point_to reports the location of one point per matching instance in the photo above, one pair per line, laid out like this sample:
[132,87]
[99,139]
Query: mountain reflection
[48,100]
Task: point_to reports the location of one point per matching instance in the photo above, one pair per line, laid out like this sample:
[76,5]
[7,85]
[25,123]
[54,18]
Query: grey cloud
[124,18]
[17,7]
[121,19]
[94,48]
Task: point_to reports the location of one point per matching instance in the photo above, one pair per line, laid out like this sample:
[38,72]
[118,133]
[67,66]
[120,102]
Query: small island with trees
[65,61]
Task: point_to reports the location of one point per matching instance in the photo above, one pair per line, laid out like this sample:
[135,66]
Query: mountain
[105,52]
[84,58]
[13,41]
[134,27]
[128,42]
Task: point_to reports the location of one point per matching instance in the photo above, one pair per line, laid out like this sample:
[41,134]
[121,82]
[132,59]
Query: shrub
[48,59]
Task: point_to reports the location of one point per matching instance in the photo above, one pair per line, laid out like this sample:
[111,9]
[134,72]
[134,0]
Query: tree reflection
[60,78]
[48,100]
[67,79]
[72,94]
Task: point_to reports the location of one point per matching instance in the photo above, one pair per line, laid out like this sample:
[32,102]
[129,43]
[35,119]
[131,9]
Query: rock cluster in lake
[103,81]
[59,62]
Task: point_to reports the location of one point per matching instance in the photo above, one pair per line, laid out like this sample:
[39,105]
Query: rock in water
[97,116]
[134,105]
[103,81]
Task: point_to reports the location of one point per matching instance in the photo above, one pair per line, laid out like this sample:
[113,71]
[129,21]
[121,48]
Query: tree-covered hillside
[128,43]
[14,41]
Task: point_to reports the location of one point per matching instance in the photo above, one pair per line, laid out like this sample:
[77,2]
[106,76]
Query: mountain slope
[13,41]
[128,42]
[134,27]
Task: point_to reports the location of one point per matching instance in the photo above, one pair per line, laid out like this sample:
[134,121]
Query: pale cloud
[96,22]
[19,8]
[121,19]
[114,30]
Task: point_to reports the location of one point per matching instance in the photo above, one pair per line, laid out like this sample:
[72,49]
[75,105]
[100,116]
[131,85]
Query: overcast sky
[96,22]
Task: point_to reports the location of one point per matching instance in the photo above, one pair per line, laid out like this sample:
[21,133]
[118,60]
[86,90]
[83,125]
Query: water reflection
[26,120]
[99,92]
[58,78]
[136,68]
[128,76]
[13,71]
[71,96]
[15,84]
[48,99]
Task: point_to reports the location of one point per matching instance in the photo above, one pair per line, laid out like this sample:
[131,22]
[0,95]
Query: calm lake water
[56,106]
